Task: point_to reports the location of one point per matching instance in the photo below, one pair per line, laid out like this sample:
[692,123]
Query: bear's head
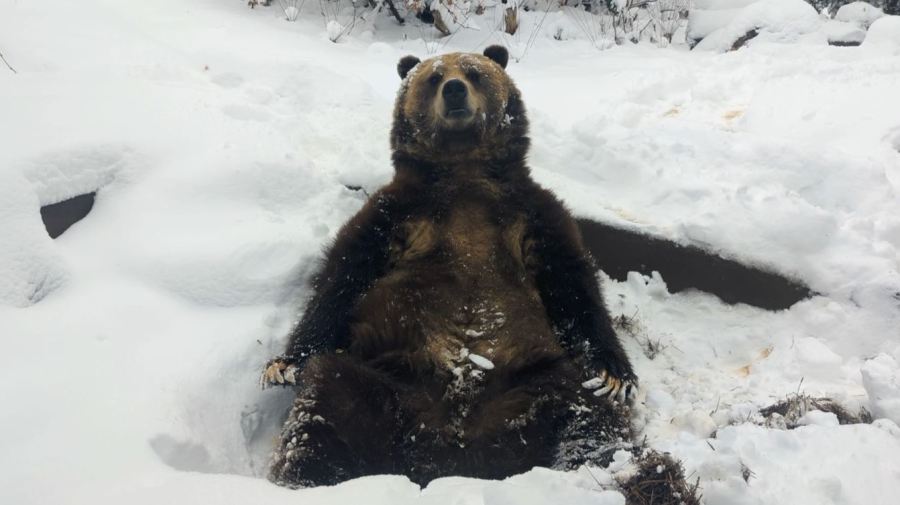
[459,107]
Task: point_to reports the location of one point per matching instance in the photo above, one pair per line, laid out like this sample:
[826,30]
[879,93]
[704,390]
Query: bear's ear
[497,53]
[406,64]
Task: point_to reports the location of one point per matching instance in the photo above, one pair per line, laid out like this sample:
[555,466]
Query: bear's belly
[450,319]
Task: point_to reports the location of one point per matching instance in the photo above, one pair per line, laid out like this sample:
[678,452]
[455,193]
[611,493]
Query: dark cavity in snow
[618,252]
[58,217]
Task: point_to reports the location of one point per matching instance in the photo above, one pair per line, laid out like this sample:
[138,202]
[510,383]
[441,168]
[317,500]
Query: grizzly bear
[457,326]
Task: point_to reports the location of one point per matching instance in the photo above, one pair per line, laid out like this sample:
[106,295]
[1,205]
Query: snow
[811,464]
[32,268]
[776,20]
[722,4]
[707,16]
[881,378]
[884,36]
[221,140]
[862,14]
[843,32]
[481,361]
[702,22]
[335,30]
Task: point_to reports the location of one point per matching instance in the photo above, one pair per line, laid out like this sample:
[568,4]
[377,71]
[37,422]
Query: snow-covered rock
[862,14]
[707,16]
[842,33]
[702,22]
[778,20]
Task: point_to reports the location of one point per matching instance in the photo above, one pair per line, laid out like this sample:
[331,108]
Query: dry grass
[632,327]
[786,414]
[659,480]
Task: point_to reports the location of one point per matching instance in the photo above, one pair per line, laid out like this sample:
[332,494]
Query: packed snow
[228,146]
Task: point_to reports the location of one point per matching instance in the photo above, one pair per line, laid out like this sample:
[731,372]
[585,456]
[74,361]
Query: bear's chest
[470,228]
[470,234]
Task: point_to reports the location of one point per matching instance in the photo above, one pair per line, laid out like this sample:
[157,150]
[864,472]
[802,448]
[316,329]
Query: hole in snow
[619,251]
[58,217]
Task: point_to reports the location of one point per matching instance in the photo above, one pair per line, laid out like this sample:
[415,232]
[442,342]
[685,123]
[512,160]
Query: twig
[393,9]
[460,26]
[534,35]
[586,467]
[7,64]
[717,406]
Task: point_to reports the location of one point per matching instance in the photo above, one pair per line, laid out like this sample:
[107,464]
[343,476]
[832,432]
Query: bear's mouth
[458,118]
[458,113]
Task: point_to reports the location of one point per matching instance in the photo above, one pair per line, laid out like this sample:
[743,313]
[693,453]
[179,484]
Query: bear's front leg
[567,282]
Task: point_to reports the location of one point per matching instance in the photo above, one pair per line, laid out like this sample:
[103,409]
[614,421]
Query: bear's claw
[613,388]
[279,372]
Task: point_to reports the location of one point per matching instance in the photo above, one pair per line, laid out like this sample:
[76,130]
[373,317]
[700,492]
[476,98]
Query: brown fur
[498,134]
[462,253]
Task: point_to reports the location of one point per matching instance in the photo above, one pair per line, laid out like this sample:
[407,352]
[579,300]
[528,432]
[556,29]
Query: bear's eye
[435,79]
[473,76]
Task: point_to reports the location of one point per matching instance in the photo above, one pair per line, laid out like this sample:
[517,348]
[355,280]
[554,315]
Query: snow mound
[842,33]
[819,463]
[881,378]
[861,14]
[60,175]
[781,20]
[884,35]
[30,267]
[708,16]
[701,22]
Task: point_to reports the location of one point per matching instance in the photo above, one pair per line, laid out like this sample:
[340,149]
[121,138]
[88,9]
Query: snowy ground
[222,140]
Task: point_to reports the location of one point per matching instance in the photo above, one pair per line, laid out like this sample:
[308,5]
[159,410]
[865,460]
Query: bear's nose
[454,91]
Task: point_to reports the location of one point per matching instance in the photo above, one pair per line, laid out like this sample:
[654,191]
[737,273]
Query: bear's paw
[605,384]
[279,371]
